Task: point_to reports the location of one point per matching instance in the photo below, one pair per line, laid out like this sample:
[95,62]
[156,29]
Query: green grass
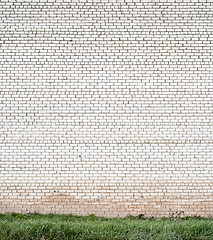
[16,226]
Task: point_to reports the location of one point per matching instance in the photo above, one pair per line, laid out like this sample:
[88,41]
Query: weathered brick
[106,107]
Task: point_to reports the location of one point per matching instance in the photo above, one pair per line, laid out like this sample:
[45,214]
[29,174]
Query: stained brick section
[106,107]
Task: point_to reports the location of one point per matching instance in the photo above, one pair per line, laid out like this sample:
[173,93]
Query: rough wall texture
[106,106]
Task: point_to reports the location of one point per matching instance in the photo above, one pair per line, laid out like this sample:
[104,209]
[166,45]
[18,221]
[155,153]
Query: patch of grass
[15,226]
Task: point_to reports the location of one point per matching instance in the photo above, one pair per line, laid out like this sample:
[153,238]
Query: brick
[105,107]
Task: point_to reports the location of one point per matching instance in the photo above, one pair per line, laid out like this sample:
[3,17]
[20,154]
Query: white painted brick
[107,100]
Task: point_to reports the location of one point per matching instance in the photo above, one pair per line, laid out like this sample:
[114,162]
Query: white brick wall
[106,106]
